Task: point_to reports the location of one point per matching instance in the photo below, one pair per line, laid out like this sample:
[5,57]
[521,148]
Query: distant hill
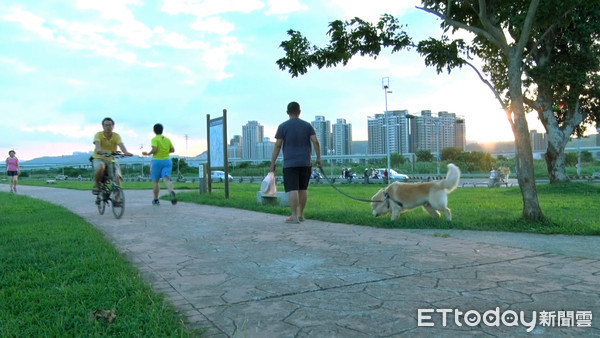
[507,147]
[77,158]
[358,147]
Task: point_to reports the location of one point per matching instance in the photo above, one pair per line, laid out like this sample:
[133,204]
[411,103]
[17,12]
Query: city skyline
[409,133]
[265,143]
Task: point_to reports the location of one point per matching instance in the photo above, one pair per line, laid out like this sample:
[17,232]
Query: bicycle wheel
[118,207]
[100,204]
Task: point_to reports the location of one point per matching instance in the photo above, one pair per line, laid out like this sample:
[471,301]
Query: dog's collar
[388,198]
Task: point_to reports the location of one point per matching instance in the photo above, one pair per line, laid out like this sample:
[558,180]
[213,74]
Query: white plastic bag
[268,186]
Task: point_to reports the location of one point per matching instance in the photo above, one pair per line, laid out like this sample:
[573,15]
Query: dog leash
[385,193]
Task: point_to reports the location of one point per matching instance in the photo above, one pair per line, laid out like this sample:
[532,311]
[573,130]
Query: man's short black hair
[108,119]
[293,107]
[158,129]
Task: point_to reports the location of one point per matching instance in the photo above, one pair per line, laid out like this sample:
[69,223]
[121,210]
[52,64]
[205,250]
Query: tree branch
[457,24]
[499,39]
[527,25]
[487,83]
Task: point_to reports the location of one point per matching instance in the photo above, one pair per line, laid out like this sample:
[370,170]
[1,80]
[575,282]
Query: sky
[67,64]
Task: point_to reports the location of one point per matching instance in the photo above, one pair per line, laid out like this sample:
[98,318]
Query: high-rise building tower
[398,135]
[235,147]
[424,132]
[460,135]
[252,134]
[434,133]
[538,141]
[376,134]
[342,137]
[323,131]
[399,131]
[264,149]
[447,129]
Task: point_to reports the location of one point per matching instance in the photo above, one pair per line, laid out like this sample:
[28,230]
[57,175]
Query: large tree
[563,74]
[507,34]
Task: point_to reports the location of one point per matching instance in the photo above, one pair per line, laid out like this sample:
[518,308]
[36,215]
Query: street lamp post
[438,145]
[141,148]
[578,156]
[331,152]
[385,83]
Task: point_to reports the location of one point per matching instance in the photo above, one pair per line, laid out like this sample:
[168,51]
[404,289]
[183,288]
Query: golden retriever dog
[432,196]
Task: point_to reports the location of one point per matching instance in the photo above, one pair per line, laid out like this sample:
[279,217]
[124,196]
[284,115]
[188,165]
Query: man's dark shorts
[296,178]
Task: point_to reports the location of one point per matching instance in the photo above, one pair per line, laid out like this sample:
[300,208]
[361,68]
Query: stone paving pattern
[240,273]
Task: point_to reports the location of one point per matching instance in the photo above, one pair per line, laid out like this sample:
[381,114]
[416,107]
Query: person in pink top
[12,170]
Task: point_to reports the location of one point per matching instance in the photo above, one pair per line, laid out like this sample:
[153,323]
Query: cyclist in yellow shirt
[106,141]
[161,163]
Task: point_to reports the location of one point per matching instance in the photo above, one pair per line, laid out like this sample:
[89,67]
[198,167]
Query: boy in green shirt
[161,163]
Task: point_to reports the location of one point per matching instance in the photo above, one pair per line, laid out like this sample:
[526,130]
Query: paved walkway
[247,274]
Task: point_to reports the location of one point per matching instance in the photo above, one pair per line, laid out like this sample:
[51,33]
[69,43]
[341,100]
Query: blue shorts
[160,169]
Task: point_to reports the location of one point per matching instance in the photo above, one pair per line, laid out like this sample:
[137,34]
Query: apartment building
[323,131]
[399,140]
[252,134]
[538,141]
[342,137]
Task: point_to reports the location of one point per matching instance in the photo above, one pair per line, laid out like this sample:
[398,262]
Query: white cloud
[132,31]
[192,77]
[126,57]
[149,64]
[19,66]
[372,10]
[75,82]
[367,62]
[117,30]
[277,7]
[110,9]
[214,25]
[180,41]
[79,35]
[70,127]
[207,8]
[390,67]
[29,21]
[405,71]
[216,60]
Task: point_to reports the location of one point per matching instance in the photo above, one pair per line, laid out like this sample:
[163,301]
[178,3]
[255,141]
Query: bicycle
[110,191]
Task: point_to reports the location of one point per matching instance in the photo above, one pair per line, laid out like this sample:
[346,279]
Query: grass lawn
[570,208]
[57,270]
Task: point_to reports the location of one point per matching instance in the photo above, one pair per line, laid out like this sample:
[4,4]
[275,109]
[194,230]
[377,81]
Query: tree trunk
[558,136]
[555,156]
[525,172]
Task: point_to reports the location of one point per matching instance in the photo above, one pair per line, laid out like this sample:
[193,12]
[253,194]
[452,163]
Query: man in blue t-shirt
[295,136]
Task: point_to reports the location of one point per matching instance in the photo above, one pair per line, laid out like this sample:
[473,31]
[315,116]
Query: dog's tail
[451,181]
